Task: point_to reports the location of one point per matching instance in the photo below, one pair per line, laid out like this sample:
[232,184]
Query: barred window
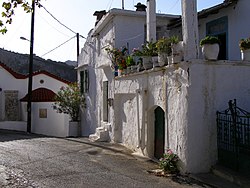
[84,81]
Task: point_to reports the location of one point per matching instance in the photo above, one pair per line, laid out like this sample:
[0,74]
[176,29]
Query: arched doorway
[159,132]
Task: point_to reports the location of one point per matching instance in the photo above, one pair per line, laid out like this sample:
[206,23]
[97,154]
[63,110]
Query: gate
[233,138]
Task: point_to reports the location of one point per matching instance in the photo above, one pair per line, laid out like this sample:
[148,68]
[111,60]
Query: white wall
[55,124]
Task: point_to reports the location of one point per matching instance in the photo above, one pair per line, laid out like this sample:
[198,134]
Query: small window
[84,81]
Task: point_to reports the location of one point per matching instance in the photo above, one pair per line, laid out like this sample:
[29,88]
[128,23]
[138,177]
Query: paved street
[37,161]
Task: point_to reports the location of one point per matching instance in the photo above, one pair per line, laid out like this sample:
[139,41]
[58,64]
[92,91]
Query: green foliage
[174,39]
[163,45]
[130,61]
[209,40]
[69,100]
[149,49]
[169,162]
[244,44]
[9,11]
[118,57]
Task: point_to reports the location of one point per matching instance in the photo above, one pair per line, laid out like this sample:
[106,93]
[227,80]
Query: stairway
[101,135]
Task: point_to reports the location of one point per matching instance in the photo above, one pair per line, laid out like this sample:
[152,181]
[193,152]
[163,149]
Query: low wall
[14,125]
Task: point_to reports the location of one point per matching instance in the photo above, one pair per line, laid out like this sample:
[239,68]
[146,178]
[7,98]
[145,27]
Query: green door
[159,132]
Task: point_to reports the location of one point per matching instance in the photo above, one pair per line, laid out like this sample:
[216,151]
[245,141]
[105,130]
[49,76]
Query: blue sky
[78,16]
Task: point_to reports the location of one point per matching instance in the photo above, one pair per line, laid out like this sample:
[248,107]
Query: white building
[13,101]
[168,107]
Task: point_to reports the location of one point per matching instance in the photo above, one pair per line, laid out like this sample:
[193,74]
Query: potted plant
[69,100]
[244,45]
[163,46]
[177,50]
[118,58]
[169,162]
[149,50]
[210,47]
[130,63]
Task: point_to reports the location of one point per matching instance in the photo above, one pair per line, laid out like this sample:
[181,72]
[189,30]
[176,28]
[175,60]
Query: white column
[151,20]
[190,29]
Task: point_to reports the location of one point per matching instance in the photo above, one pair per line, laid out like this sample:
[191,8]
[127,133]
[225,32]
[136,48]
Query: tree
[9,11]
[69,100]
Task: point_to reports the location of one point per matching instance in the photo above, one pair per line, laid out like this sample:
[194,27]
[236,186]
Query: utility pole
[30,68]
[78,46]
[122,4]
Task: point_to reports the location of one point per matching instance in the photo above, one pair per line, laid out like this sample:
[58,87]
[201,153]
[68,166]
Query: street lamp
[30,68]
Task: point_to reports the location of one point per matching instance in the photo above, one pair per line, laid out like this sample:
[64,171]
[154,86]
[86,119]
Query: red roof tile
[21,76]
[41,95]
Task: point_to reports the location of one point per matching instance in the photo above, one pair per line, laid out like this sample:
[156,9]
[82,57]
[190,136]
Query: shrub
[244,44]
[169,162]
[209,40]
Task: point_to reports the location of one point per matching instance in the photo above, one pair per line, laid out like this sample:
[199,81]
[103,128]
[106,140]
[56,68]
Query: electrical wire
[176,2]
[58,46]
[57,20]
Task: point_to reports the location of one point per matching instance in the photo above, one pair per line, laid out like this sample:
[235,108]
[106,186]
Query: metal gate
[233,138]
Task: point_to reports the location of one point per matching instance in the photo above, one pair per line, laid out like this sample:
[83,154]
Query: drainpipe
[138,117]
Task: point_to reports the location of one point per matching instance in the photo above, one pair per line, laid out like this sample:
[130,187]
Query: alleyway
[37,161]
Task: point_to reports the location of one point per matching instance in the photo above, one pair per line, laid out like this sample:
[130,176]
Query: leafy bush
[209,40]
[69,100]
[244,44]
[169,162]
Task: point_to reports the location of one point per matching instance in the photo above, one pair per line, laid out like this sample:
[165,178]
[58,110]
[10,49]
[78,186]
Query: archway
[159,124]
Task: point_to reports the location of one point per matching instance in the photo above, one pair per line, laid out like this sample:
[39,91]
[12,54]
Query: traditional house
[172,106]
[13,102]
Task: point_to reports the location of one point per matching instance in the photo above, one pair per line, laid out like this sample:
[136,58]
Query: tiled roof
[21,76]
[41,95]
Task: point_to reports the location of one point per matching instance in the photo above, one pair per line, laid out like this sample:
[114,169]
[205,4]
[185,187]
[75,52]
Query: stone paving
[38,161]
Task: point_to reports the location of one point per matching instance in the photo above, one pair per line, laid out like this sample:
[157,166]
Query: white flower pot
[210,51]
[73,128]
[245,55]
[162,58]
[147,62]
[177,52]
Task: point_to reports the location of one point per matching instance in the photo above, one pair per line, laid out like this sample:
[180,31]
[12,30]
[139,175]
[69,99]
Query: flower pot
[177,52]
[155,61]
[147,62]
[73,128]
[245,55]
[162,59]
[120,72]
[210,51]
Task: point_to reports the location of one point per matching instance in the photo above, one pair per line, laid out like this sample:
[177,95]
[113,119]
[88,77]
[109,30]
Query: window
[219,28]
[84,81]
[105,101]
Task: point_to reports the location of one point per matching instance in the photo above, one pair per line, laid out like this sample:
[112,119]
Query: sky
[77,15]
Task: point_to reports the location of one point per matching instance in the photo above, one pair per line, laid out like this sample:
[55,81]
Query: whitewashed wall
[54,125]
[190,94]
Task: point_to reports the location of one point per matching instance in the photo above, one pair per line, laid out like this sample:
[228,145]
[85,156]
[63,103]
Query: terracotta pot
[210,51]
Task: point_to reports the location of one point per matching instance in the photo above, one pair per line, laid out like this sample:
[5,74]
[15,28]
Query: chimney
[99,15]
[140,7]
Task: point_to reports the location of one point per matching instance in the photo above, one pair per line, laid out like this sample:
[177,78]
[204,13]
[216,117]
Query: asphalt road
[38,161]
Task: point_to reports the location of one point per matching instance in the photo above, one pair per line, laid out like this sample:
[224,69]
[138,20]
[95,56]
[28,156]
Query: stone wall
[11,105]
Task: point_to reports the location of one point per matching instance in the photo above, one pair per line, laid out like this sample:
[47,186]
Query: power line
[57,20]
[58,46]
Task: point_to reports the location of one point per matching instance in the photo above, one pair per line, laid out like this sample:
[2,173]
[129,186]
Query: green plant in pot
[210,47]
[163,46]
[244,45]
[69,100]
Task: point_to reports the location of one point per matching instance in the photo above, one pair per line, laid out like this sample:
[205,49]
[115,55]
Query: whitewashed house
[13,102]
[168,107]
